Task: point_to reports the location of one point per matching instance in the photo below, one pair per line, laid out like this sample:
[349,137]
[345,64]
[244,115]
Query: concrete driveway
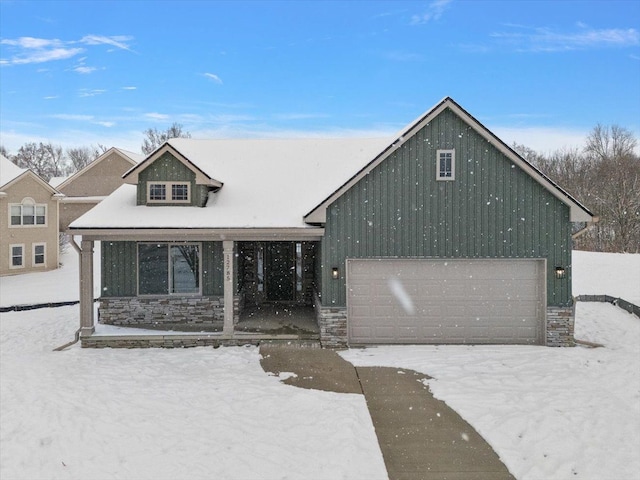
[421,438]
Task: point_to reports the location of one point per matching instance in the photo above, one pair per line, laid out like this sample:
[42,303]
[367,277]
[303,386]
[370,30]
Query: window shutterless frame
[169,269]
[446,165]
[27,214]
[16,256]
[168,192]
[39,254]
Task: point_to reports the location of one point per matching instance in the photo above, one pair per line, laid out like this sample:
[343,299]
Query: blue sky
[539,73]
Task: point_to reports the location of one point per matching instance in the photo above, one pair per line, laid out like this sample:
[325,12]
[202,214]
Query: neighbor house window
[168,192]
[39,254]
[446,167]
[16,253]
[28,213]
[168,268]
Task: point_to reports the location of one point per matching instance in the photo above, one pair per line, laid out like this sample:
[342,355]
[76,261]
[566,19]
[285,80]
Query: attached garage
[433,301]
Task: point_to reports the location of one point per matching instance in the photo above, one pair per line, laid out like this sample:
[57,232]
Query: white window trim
[11,247]
[168,186]
[28,201]
[33,255]
[169,286]
[453,165]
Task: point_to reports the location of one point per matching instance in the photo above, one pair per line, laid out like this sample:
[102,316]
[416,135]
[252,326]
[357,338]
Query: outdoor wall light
[335,273]
[560,272]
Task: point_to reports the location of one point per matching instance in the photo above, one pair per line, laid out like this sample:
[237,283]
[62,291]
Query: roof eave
[578,212]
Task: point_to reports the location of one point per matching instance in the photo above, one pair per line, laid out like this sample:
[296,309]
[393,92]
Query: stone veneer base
[159,311]
[560,326]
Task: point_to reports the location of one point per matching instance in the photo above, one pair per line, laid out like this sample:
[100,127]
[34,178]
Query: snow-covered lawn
[198,413]
[213,413]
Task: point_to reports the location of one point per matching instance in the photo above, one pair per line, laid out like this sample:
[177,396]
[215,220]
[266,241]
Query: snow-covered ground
[550,413]
[198,413]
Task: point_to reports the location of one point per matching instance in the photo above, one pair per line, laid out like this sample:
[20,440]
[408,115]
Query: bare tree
[606,142]
[604,176]
[155,138]
[80,157]
[47,160]
[4,152]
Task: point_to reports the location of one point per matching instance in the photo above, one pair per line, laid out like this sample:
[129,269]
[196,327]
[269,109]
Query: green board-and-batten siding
[168,169]
[492,209]
[119,269]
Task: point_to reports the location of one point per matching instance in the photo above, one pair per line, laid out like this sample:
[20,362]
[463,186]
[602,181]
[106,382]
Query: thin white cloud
[51,97]
[105,124]
[214,77]
[27,50]
[434,12]
[118,41]
[85,92]
[542,139]
[299,116]
[542,39]
[129,88]
[72,117]
[156,116]
[84,69]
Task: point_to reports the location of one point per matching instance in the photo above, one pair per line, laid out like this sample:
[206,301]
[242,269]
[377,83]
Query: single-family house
[28,221]
[441,234]
[90,185]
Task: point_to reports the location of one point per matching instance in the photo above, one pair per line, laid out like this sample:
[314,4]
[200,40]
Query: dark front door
[280,271]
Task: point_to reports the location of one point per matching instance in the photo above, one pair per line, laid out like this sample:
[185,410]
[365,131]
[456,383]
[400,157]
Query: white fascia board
[34,176]
[202,178]
[96,199]
[578,213]
[95,162]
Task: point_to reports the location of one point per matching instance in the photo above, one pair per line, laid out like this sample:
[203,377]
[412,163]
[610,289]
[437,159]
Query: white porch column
[86,288]
[227,250]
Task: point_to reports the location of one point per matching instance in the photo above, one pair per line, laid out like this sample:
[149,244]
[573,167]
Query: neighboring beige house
[28,221]
[87,187]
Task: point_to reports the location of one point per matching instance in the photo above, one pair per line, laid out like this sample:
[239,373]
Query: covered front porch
[265,292]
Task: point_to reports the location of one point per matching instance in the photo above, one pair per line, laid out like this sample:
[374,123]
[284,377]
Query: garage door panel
[452,301]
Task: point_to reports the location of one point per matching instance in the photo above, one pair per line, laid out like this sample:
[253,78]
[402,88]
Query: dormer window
[168,192]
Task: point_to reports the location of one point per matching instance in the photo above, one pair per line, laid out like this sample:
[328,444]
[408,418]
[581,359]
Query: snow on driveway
[198,413]
[550,413]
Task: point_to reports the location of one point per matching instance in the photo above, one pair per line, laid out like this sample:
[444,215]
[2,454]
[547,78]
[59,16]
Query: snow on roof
[136,157]
[9,171]
[56,181]
[267,183]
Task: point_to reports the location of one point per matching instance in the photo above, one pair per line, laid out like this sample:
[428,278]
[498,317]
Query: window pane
[38,254]
[41,212]
[157,191]
[153,269]
[185,269]
[16,215]
[16,256]
[445,164]
[28,215]
[180,192]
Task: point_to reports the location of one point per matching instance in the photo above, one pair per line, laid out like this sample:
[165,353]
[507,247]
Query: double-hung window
[28,213]
[169,268]
[39,250]
[168,192]
[16,256]
[446,165]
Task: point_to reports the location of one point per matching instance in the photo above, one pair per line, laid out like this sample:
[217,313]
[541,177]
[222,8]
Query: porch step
[292,343]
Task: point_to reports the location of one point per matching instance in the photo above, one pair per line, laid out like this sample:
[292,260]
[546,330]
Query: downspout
[77,334]
[584,230]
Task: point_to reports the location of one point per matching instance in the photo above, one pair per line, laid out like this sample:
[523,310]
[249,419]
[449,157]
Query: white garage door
[445,301]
